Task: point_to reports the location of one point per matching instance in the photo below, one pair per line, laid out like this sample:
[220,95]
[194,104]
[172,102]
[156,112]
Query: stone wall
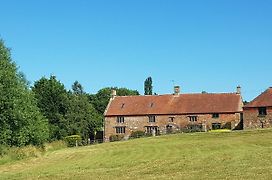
[139,123]
[252,120]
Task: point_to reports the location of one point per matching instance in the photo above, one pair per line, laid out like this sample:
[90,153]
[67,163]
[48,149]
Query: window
[216,126]
[152,118]
[193,118]
[120,130]
[150,129]
[215,115]
[171,119]
[169,129]
[195,127]
[262,111]
[120,119]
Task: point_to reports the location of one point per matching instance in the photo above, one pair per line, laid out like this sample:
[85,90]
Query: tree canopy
[47,111]
[101,99]
[148,88]
[52,100]
[21,122]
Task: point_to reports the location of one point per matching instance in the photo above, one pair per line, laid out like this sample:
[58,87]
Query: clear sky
[211,45]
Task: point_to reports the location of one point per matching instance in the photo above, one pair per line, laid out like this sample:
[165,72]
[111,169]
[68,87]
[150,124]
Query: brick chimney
[176,90]
[238,91]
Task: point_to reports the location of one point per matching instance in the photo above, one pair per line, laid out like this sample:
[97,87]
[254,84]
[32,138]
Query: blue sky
[206,45]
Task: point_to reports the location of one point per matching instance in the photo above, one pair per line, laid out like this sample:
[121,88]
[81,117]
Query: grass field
[227,155]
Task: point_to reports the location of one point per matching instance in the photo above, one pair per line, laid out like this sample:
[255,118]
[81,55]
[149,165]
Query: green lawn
[224,155]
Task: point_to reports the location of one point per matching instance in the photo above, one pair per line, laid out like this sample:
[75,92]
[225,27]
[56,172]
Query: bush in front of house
[74,140]
[137,134]
[116,137]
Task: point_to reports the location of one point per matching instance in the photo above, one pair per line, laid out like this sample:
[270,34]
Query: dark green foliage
[82,117]
[77,88]
[53,102]
[137,134]
[68,112]
[101,99]
[3,150]
[192,129]
[148,88]
[245,102]
[74,140]
[117,137]
[21,123]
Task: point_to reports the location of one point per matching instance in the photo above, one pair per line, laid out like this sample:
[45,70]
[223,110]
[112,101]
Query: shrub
[25,152]
[137,134]
[74,140]
[3,150]
[117,137]
[56,145]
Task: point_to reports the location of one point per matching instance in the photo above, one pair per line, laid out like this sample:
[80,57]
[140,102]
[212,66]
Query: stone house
[258,113]
[174,112]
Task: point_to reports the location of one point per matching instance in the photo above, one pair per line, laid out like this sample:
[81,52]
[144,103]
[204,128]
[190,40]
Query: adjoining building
[174,112]
[258,113]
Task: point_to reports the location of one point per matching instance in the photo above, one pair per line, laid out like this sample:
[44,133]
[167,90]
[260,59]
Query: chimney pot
[238,90]
[176,90]
[113,93]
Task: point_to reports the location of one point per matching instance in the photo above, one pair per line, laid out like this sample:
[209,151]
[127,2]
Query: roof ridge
[213,93]
[259,98]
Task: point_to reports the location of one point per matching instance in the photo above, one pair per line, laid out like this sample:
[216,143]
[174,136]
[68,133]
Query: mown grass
[228,155]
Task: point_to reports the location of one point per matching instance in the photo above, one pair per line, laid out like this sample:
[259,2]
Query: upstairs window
[120,130]
[152,119]
[262,111]
[215,115]
[171,119]
[193,118]
[120,119]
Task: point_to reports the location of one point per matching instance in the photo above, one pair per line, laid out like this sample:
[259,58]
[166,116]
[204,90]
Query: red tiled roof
[175,104]
[263,100]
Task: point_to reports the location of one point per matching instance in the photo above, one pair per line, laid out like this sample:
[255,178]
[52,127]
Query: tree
[53,102]
[82,117]
[148,88]
[21,123]
[77,88]
[102,98]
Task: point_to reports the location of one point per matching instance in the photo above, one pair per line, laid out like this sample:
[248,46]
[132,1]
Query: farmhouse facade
[175,112]
[258,113]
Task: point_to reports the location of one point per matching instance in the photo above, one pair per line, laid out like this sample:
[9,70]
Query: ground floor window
[120,130]
[150,129]
[195,127]
[216,126]
[169,129]
[262,111]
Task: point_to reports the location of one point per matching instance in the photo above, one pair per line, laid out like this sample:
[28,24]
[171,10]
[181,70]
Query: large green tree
[148,88]
[53,102]
[21,123]
[82,117]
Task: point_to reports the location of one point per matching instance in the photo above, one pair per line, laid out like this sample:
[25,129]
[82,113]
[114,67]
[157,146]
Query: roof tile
[175,104]
[263,100]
